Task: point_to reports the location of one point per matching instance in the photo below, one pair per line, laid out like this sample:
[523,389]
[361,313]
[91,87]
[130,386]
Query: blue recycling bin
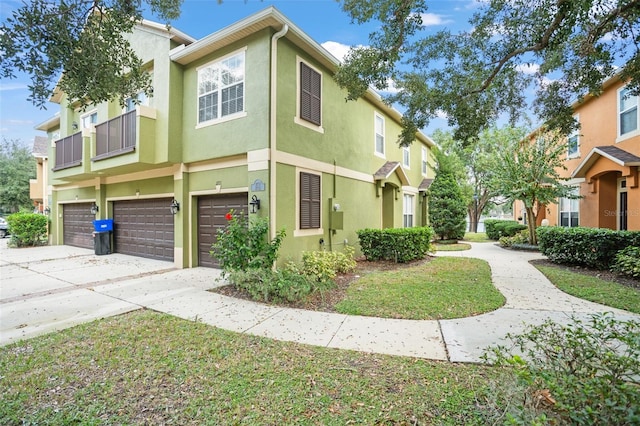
[102,236]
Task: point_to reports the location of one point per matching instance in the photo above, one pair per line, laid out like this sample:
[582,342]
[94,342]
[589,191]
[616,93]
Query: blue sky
[323,20]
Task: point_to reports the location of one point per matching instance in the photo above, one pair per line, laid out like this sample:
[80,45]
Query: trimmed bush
[325,265]
[28,229]
[496,228]
[591,247]
[521,237]
[627,262]
[397,244]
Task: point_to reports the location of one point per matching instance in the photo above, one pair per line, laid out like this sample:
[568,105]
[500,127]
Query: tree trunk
[531,223]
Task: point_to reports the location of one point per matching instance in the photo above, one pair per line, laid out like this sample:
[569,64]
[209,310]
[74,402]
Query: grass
[594,289]
[443,288]
[150,368]
[452,247]
[477,237]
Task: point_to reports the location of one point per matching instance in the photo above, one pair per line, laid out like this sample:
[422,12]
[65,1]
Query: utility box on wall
[336,220]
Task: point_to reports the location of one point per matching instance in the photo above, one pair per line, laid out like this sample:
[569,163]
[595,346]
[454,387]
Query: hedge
[590,247]
[28,229]
[496,228]
[397,244]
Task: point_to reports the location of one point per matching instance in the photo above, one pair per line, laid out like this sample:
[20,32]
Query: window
[406,158]
[379,129]
[221,88]
[89,119]
[424,161]
[309,201]
[310,94]
[569,210]
[628,111]
[573,143]
[407,211]
[140,99]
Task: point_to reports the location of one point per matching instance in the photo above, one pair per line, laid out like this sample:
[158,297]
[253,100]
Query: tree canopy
[17,167]
[564,49]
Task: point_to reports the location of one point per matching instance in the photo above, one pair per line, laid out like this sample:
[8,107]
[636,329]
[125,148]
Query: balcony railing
[116,136]
[68,152]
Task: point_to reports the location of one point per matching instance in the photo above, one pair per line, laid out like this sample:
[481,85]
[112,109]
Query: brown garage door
[211,217]
[143,228]
[77,224]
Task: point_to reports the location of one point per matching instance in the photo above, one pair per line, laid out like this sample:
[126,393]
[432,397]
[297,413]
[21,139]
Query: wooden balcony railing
[68,152]
[116,136]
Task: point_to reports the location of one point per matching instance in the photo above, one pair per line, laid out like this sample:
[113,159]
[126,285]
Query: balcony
[68,152]
[116,136]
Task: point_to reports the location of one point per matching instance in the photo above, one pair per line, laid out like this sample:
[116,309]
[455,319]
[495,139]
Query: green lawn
[150,368]
[477,237]
[452,247]
[592,288]
[445,287]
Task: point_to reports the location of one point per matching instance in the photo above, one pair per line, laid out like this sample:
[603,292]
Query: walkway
[50,288]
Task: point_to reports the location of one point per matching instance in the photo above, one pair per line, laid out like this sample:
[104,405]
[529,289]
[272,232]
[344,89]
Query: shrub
[627,262]
[28,229]
[521,237]
[591,247]
[398,244]
[242,246]
[269,285]
[325,265]
[498,228]
[583,373]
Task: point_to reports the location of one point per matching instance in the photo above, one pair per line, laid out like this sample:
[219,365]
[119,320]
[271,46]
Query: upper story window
[89,119]
[221,88]
[310,95]
[573,143]
[406,157]
[379,130]
[628,111]
[424,161]
[140,99]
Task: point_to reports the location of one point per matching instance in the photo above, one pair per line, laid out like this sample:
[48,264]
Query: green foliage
[325,265]
[627,262]
[242,246]
[559,50]
[521,237]
[447,205]
[397,244]
[590,369]
[28,229]
[17,166]
[269,285]
[591,247]
[497,228]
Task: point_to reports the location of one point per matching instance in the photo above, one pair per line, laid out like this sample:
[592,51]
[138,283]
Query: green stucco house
[247,118]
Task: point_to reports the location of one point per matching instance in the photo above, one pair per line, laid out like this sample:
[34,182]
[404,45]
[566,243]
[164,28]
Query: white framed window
[423,162]
[627,112]
[309,96]
[140,99]
[570,210]
[89,119]
[379,131]
[221,88]
[573,142]
[407,211]
[406,157]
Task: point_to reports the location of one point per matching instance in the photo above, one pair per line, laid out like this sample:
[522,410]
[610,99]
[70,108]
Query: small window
[424,161]
[140,99]
[90,119]
[570,210]
[406,157]
[379,130]
[309,200]
[310,94]
[573,144]
[407,215]
[221,88]
[628,111]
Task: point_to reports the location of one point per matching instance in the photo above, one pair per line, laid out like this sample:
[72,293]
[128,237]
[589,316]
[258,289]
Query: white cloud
[432,19]
[12,86]
[339,50]
[528,68]
[391,87]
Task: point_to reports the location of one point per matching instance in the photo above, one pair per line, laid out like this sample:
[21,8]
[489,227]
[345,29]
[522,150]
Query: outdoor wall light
[74,126]
[174,207]
[255,204]
[94,209]
[47,210]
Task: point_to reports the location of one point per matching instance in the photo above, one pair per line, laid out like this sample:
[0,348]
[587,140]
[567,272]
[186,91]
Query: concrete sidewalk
[50,288]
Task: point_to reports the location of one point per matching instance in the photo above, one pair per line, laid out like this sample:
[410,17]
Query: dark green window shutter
[310,85]
[309,201]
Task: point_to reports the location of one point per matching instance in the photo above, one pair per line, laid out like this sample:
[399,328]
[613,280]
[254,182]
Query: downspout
[272,129]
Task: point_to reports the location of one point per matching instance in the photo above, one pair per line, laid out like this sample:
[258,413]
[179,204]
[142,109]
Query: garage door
[211,217]
[143,228]
[77,224]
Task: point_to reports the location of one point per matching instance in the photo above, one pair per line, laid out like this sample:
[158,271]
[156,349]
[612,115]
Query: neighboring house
[38,187]
[602,163]
[247,118]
